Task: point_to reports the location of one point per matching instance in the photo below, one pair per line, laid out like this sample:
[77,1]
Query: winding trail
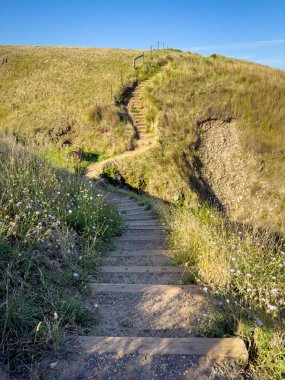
[144,138]
[148,321]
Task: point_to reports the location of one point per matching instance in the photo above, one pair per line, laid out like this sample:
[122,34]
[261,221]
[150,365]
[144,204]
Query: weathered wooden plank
[141,269]
[137,239]
[132,208]
[211,347]
[139,253]
[142,288]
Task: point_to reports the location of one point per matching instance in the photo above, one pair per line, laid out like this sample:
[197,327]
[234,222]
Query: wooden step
[144,223]
[142,269]
[125,202]
[110,199]
[137,217]
[141,232]
[137,213]
[137,260]
[144,228]
[141,245]
[139,238]
[131,208]
[162,278]
[143,288]
[211,347]
[140,252]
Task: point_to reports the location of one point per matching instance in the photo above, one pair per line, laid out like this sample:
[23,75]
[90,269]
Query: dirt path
[144,138]
[148,321]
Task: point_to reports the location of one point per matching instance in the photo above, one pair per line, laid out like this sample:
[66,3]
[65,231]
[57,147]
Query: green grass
[53,224]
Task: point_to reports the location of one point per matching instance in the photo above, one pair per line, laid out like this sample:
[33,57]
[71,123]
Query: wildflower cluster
[257,275]
[52,224]
[36,200]
[242,271]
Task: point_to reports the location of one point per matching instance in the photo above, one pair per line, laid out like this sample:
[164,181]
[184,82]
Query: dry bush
[107,117]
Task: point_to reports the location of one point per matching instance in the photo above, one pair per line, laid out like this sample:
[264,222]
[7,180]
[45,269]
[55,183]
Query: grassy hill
[219,164]
[49,94]
[62,99]
[194,91]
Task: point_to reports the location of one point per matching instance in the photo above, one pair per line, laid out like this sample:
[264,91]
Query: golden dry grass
[51,91]
[192,89]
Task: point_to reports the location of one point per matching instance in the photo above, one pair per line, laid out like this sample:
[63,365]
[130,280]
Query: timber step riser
[143,288]
[141,269]
[139,218]
[137,214]
[141,252]
[137,260]
[211,347]
[142,278]
[141,240]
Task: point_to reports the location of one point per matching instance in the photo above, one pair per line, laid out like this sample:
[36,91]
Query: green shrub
[52,225]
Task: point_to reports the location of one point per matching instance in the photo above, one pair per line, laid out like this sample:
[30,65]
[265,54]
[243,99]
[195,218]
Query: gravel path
[146,367]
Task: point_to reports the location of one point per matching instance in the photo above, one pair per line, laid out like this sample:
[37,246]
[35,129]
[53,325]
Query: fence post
[135,58]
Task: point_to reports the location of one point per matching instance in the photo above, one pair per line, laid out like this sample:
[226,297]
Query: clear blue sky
[249,29]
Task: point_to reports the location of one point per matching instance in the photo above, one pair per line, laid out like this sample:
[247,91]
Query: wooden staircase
[145,310]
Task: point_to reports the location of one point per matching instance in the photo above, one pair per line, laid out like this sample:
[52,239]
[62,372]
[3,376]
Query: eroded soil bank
[232,177]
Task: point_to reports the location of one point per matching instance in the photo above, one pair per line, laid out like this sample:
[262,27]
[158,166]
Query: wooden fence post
[135,58]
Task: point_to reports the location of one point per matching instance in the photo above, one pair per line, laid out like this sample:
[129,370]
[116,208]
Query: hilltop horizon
[252,30]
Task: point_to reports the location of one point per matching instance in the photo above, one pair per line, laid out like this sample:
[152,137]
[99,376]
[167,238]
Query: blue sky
[249,29]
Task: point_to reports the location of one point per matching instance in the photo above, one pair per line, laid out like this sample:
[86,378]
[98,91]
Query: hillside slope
[49,96]
[218,110]
[220,163]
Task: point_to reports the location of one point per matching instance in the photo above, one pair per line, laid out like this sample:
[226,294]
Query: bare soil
[232,176]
